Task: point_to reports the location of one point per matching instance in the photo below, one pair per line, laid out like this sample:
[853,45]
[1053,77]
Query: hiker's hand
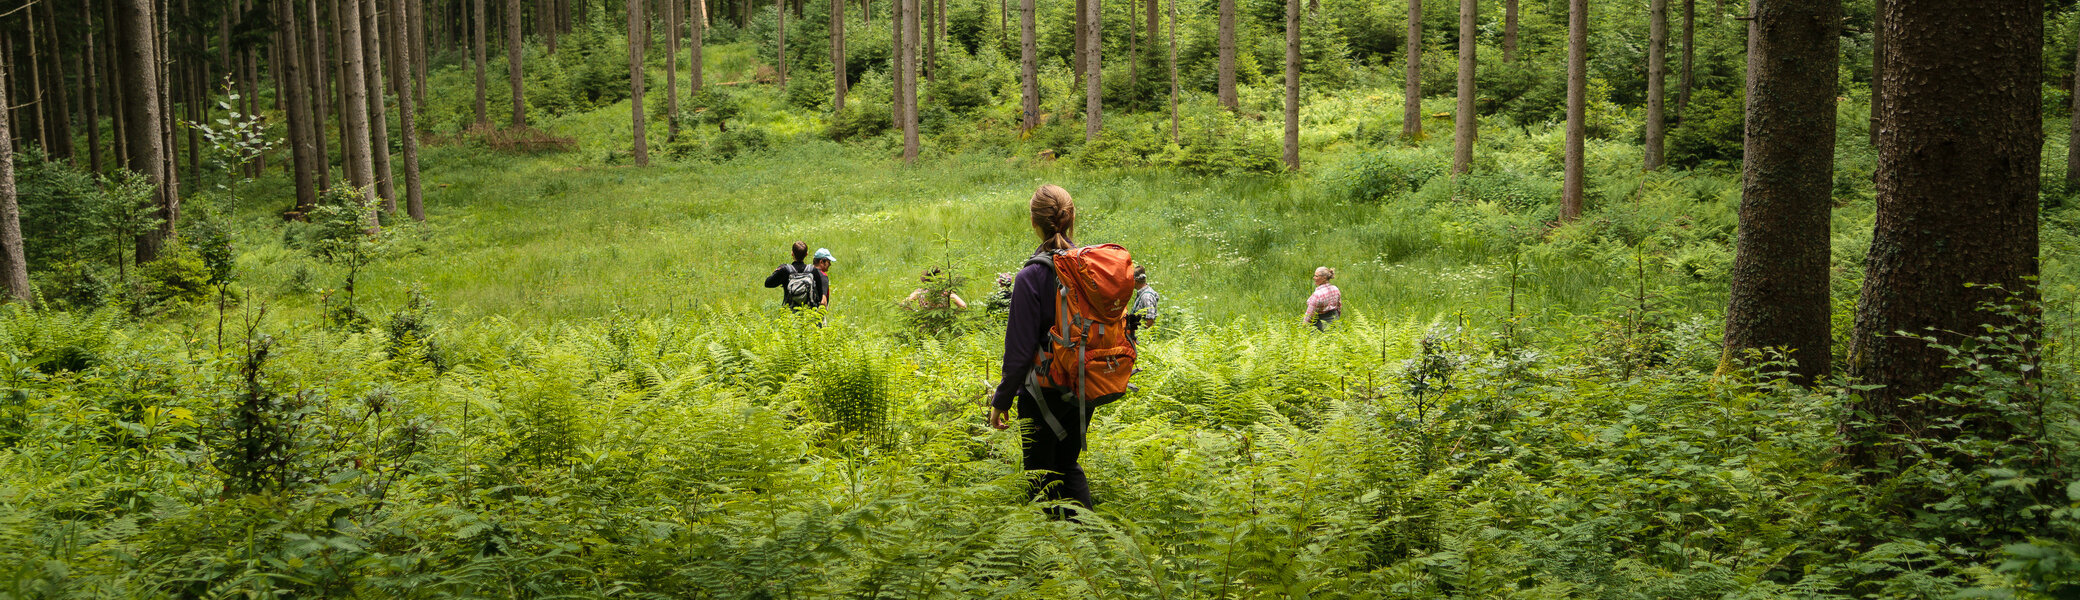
[999,418]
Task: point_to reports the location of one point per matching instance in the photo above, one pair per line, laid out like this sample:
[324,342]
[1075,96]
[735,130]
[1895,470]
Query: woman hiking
[1032,313]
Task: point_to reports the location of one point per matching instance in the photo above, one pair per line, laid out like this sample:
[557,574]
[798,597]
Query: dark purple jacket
[1032,313]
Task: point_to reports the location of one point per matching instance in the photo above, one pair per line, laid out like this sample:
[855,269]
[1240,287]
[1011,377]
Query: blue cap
[824,254]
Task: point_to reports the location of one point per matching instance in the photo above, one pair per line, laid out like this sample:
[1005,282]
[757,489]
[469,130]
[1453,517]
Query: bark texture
[137,61]
[838,77]
[407,114]
[1509,30]
[911,31]
[513,62]
[355,108]
[1466,127]
[1957,194]
[14,265]
[1226,91]
[379,119]
[1657,69]
[295,90]
[1779,296]
[1577,108]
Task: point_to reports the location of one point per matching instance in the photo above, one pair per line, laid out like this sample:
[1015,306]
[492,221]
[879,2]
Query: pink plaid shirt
[1325,298]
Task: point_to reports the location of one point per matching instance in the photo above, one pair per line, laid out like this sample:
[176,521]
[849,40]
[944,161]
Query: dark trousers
[1049,460]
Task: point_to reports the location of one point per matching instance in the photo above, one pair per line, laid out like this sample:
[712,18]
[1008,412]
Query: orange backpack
[1086,355]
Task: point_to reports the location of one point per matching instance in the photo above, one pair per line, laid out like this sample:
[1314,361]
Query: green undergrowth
[728,454]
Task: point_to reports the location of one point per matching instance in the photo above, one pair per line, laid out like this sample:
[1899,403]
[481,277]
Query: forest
[1631,299]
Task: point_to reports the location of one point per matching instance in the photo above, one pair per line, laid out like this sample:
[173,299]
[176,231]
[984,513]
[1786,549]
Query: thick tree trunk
[480,45]
[1657,69]
[839,81]
[635,81]
[1466,127]
[1226,91]
[1779,296]
[408,123]
[294,87]
[14,265]
[1412,86]
[1028,72]
[1577,108]
[1957,203]
[378,116]
[1292,145]
[1174,91]
[1094,88]
[514,62]
[362,172]
[1509,30]
[141,113]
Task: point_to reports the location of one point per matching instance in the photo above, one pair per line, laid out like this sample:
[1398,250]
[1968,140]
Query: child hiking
[1065,348]
[801,286]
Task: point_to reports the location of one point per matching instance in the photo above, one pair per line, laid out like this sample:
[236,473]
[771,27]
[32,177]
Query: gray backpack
[801,287]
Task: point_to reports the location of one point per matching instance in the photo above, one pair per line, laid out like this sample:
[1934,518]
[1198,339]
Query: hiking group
[1070,340]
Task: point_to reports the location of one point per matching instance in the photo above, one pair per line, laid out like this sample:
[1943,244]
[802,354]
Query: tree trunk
[931,40]
[1174,137]
[61,122]
[911,32]
[1779,296]
[294,87]
[839,81]
[1094,89]
[378,116]
[1957,203]
[355,108]
[780,38]
[700,31]
[318,95]
[1028,72]
[1509,30]
[1689,54]
[14,265]
[1293,85]
[1466,128]
[1412,88]
[416,20]
[1657,67]
[89,94]
[1077,60]
[514,62]
[408,123]
[635,81]
[141,112]
[1133,52]
[1577,108]
[481,46]
[671,70]
[1226,91]
[36,93]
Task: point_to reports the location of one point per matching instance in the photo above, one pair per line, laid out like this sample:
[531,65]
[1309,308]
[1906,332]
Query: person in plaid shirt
[1327,302]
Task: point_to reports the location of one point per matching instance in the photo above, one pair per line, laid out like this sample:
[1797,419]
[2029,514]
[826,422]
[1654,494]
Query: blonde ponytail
[1054,215]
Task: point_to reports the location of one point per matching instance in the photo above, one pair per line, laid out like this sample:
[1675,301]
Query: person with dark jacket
[1052,459]
[801,286]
